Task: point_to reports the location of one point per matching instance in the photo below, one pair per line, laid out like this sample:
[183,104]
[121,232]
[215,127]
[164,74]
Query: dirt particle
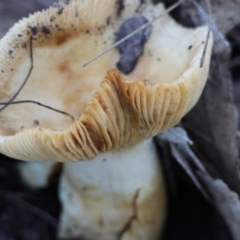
[52,19]
[190,47]
[24,45]
[108,20]
[132,48]
[140,7]
[60,11]
[34,30]
[120,7]
[10,51]
[46,30]
[36,122]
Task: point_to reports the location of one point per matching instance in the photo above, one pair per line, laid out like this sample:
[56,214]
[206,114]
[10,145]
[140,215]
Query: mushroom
[119,194]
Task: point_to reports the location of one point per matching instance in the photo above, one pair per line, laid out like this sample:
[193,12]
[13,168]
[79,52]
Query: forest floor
[27,213]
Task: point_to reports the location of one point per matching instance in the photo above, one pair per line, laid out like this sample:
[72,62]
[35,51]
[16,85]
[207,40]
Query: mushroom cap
[113,110]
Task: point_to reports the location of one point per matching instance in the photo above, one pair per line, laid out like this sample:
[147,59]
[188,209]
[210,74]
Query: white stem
[118,195]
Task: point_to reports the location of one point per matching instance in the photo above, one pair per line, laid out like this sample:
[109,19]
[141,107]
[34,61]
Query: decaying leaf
[214,190]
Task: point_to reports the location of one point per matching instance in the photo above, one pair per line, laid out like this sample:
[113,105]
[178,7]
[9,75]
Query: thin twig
[209,9]
[10,102]
[25,80]
[133,33]
[40,104]
[205,48]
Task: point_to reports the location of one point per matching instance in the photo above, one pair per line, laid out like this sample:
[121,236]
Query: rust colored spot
[75,140]
[65,70]
[103,104]
[55,173]
[95,137]
[62,38]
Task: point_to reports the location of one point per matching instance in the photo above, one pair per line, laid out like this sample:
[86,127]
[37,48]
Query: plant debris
[132,48]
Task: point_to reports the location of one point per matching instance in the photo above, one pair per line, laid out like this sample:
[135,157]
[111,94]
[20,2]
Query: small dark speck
[203,42]
[108,20]
[159,59]
[190,47]
[10,51]
[104,160]
[36,122]
[12,69]
[120,7]
[46,30]
[87,31]
[24,45]
[2,71]
[34,30]
[20,35]
[104,42]
[76,12]
[52,18]
[60,11]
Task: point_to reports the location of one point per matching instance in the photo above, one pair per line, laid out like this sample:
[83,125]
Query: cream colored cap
[112,110]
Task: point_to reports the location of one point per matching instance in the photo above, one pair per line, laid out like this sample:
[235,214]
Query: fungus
[119,194]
